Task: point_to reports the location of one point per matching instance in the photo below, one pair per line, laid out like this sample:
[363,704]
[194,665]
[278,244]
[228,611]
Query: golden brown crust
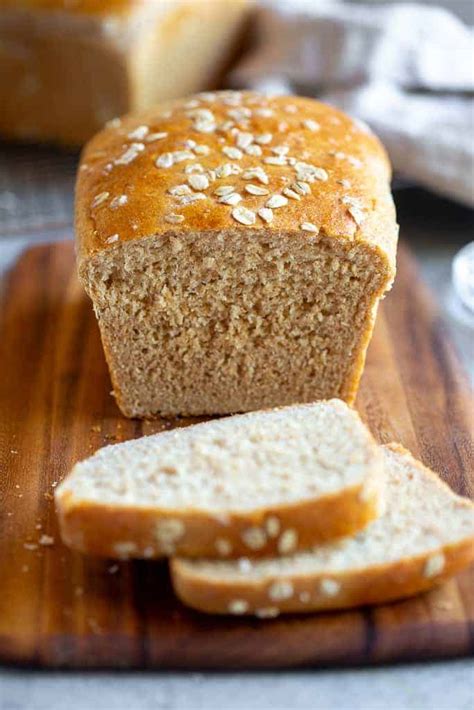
[351,386]
[353,203]
[375,585]
[112,531]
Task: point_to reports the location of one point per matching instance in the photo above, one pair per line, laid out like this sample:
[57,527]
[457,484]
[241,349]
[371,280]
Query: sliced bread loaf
[257,484]
[240,244]
[425,535]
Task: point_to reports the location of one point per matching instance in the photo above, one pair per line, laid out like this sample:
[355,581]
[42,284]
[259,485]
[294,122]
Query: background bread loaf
[67,67]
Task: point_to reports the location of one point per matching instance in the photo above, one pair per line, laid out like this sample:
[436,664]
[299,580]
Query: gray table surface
[436,229]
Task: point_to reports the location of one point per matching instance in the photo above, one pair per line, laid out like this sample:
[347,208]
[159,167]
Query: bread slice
[258,484]
[425,535]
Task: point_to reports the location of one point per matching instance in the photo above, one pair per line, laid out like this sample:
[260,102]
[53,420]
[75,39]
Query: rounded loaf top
[232,160]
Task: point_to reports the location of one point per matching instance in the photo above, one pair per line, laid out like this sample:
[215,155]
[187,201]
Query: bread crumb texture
[239,463]
[239,244]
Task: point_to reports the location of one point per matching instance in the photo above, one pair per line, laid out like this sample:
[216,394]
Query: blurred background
[69,66]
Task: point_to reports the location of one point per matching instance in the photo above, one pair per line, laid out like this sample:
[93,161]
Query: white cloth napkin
[405,69]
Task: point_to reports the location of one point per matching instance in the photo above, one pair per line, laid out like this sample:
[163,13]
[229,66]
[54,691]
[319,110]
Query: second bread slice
[253,485]
[425,535]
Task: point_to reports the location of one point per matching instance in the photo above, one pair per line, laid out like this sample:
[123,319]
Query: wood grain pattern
[59,609]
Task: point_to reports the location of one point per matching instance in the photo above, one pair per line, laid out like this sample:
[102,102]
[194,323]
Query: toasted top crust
[129,172]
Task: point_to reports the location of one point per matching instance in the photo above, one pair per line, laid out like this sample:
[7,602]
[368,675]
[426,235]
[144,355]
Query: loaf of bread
[235,248]
[256,484]
[425,535]
[68,66]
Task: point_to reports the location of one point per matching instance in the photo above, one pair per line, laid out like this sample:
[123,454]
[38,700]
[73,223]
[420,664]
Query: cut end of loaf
[214,323]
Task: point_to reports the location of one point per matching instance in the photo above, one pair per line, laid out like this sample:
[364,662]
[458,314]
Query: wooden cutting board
[60,609]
